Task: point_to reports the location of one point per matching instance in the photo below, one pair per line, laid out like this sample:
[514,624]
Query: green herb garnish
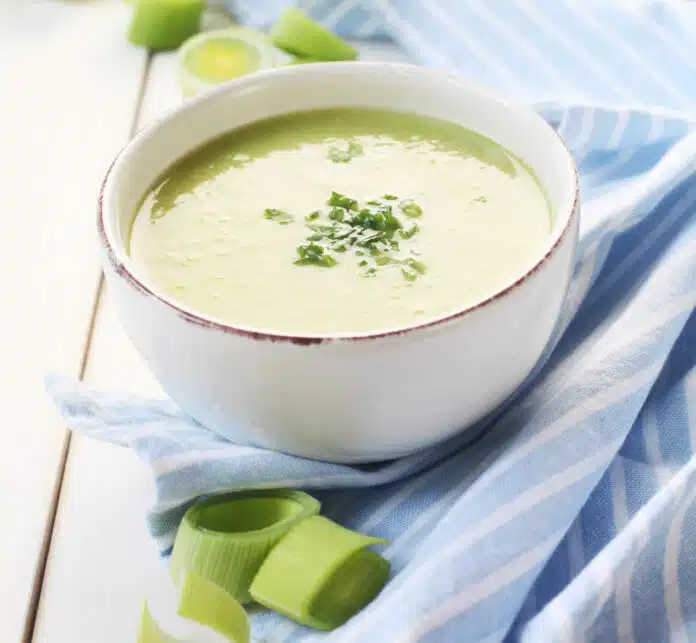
[369,231]
[314,255]
[342,201]
[279,216]
[339,155]
[337,214]
[411,209]
[407,234]
[408,275]
[414,264]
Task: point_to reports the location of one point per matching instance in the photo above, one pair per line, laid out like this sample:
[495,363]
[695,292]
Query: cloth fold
[569,513]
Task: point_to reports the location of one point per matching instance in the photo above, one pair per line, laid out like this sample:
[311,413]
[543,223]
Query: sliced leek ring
[216,56]
[320,574]
[226,538]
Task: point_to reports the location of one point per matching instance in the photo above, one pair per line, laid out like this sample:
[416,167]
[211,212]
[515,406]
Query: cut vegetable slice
[206,615]
[164,24]
[207,604]
[299,35]
[225,538]
[150,632]
[220,55]
[320,574]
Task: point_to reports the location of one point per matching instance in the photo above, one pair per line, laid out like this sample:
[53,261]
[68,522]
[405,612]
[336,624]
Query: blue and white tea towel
[572,517]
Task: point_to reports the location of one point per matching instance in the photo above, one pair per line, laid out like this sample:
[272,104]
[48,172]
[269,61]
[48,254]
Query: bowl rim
[118,257]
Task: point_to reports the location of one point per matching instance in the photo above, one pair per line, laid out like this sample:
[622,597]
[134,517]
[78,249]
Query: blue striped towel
[572,516]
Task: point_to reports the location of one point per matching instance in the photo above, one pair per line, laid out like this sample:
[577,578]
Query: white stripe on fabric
[526,47]
[589,355]
[474,47]
[624,604]
[410,34]
[642,62]
[632,542]
[340,11]
[369,26]
[426,516]
[503,515]
[572,418]
[622,119]
[672,589]
[690,395]
[657,128]
[687,201]
[402,494]
[665,39]
[651,439]
[645,194]
[612,82]
[580,142]
[477,592]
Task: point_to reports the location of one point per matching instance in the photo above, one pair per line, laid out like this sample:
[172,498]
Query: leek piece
[301,36]
[164,24]
[216,56]
[226,538]
[320,574]
[206,614]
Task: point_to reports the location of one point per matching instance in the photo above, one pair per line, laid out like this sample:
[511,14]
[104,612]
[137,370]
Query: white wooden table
[75,558]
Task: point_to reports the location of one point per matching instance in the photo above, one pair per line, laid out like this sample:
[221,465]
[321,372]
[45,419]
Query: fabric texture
[571,515]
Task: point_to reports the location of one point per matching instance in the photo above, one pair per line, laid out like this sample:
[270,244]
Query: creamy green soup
[340,221]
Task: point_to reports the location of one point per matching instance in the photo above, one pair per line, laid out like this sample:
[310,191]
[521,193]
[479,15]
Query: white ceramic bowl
[342,398]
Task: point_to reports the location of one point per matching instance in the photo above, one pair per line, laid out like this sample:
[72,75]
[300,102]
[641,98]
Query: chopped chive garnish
[314,254]
[416,265]
[411,209]
[408,275]
[342,201]
[339,155]
[407,234]
[279,216]
[368,231]
[337,214]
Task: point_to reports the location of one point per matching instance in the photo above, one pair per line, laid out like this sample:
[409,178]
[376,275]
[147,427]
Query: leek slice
[298,34]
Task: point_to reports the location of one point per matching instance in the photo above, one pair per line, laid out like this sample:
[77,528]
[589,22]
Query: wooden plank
[69,84]
[102,562]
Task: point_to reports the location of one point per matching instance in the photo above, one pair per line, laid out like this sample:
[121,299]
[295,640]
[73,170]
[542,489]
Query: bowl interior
[324,85]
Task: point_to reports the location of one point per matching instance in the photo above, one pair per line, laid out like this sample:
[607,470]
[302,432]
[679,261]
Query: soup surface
[340,221]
